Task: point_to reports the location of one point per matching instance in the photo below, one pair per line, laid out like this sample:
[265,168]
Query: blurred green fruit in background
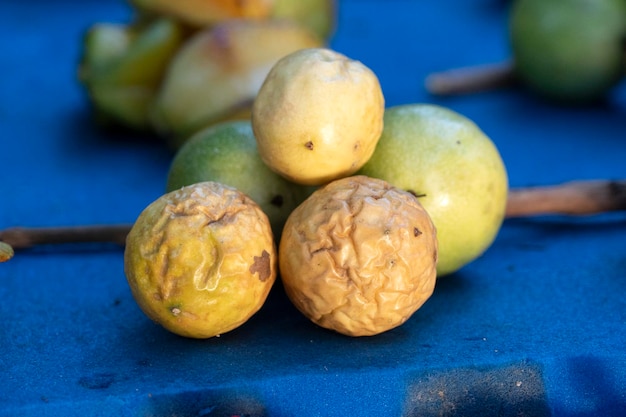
[320,16]
[569,50]
[122,67]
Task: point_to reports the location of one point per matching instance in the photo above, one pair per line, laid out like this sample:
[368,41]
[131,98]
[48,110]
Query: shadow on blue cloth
[591,379]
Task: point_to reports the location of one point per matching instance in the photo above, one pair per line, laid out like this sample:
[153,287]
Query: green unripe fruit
[122,67]
[227,153]
[569,50]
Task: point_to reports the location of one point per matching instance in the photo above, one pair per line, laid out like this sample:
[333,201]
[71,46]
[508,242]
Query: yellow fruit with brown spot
[359,256]
[318,116]
[201,260]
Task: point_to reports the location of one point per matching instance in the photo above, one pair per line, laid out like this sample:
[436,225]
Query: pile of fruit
[180,66]
[288,164]
[356,207]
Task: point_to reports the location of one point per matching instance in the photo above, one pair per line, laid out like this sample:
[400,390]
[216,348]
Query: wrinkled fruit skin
[453,168]
[318,116]
[569,50]
[358,256]
[201,260]
[227,153]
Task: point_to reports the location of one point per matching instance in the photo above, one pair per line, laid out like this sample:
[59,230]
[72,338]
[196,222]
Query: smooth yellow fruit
[201,260]
[453,168]
[358,256]
[318,116]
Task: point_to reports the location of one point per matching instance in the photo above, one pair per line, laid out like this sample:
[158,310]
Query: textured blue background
[535,326]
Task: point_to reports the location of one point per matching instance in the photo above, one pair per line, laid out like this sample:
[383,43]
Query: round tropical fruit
[358,256]
[201,260]
[227,153]
[569,50]
[318,116]
[453,168]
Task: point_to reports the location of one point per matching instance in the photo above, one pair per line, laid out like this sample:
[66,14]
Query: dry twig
[27,237]
[571,198]
[471,79]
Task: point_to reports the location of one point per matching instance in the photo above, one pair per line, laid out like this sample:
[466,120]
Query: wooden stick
[471,79]
[574,198]
[27,237]
[571,198]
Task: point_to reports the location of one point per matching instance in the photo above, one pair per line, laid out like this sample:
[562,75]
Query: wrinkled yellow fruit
[358,256]
[318,116]
[201,260]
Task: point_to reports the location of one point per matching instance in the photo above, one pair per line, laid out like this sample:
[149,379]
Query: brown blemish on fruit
[220,45]
[309,145]
[416,232]
[277,200]
[181,247]
[262,266]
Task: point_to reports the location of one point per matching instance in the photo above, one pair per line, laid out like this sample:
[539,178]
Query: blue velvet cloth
[533,327]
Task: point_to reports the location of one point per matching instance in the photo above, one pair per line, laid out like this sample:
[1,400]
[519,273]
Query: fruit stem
[471,79]
[570,198]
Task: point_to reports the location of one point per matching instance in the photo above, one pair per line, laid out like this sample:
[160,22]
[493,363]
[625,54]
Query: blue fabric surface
[533,327]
